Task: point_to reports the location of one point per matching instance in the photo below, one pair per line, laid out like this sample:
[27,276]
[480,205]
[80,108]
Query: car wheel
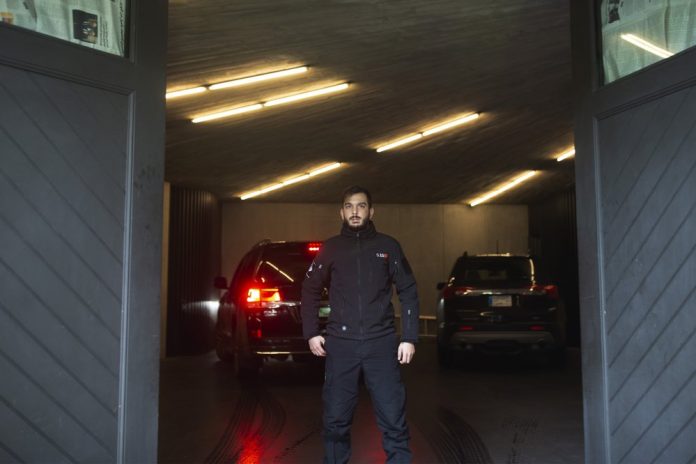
[444,356]
[557,358]
[247,366]
[224,353]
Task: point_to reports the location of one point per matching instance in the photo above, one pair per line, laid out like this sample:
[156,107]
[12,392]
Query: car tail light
[536,328]
[466,328]
[314,247]
[549,290]
[456,291]
[263,298]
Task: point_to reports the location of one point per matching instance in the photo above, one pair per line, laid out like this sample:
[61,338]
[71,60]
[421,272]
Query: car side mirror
[220,283]
[441,285]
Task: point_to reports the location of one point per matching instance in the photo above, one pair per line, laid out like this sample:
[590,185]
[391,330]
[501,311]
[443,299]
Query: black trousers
[377,359]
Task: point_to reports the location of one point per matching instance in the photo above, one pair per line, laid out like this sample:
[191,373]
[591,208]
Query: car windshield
[284,264]
[473,270]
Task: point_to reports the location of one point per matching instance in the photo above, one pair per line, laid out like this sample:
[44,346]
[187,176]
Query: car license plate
[324,311]
[500,301]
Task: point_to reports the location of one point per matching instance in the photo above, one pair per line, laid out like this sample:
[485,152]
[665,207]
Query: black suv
[259,314]
[493,304]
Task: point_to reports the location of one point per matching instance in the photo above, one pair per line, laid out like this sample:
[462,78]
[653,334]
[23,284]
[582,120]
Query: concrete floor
[499,411]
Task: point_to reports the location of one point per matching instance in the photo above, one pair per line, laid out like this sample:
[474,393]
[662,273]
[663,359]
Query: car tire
[224,353]
[445,356]
[247,366]
[557,358]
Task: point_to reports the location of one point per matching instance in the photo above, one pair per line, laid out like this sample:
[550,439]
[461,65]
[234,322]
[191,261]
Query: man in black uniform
[359,267]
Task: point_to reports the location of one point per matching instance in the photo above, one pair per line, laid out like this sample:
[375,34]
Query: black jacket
[359,268]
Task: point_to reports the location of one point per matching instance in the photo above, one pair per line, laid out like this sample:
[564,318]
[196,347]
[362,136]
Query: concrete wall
[432,236]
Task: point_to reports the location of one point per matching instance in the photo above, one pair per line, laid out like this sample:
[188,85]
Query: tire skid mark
[238,426]
[296,444]
[274,416]
[257,419]
[453,439]
[522,430]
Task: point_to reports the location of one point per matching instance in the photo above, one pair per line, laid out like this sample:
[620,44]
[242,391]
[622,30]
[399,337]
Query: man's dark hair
[355,189]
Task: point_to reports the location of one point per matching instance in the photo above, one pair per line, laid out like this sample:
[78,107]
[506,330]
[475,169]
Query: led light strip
[647,46]
[227,113]
[238,82]
[429,132]
[292,180]
[305,95]
[494,193]
[183,93]
[565,155]
[258,78]
[275,102]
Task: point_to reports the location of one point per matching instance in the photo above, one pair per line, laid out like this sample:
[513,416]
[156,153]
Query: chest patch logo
[383,255]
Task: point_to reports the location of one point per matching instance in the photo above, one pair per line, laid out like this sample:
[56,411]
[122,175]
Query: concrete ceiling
[411,63]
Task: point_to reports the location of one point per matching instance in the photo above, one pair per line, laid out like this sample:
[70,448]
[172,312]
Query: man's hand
[406,352]
[316,345]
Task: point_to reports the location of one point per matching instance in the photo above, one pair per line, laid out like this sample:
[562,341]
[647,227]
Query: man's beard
[362,226]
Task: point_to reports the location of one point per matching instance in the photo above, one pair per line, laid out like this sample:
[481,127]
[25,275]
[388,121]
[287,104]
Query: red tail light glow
[456,291]
[536,328]
[550,290]
[262,297]
[314,247]
[466,328]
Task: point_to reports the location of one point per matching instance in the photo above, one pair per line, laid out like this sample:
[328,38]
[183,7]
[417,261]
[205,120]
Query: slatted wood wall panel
[194,261]
[648,195]
[62,196]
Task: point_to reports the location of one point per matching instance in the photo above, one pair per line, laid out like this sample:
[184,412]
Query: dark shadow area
[553,243]
[527,363]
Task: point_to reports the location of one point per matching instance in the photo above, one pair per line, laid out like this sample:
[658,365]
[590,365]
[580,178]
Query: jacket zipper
[360,315]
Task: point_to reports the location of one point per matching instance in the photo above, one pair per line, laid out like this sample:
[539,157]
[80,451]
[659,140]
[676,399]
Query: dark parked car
[493,304]
[259,314]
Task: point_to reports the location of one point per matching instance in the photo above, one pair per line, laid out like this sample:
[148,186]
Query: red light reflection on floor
[251,451]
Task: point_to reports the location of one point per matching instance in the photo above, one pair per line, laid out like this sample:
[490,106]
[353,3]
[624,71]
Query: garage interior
[410,66]
[124,192]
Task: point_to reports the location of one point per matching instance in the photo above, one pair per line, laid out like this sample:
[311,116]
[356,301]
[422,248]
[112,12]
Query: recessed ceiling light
[238,82]
[426,133]
[290,181]
[504,188]
[398,143]
[451,124]
[227,113]
[295,180]
[647,46]
[184,92]
[278,101]
[258,78]
[565,155]
[305,95]
[322,170]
